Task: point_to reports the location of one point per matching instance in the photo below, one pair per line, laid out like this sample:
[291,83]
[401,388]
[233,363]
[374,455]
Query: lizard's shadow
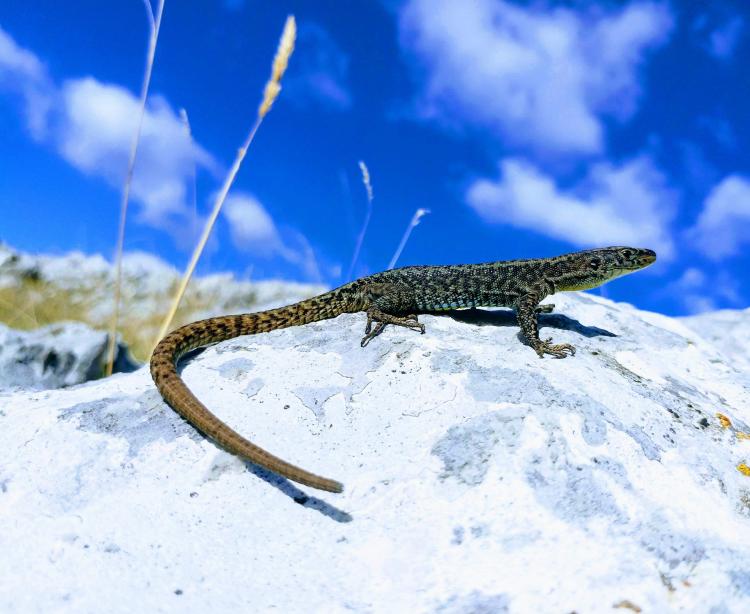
[299,496]
[188,357]
[507,317]
[275,480]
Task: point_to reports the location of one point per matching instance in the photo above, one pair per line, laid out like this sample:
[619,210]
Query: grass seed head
[280,63]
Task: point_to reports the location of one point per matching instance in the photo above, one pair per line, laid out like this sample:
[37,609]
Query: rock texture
[478,477]
[57,355]
[727,329]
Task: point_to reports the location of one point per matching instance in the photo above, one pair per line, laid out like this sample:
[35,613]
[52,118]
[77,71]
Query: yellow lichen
[741,435]
[725,422]
[628,605]
[743,469]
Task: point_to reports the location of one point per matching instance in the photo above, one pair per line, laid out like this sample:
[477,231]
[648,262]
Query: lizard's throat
[572,286]
[592,281]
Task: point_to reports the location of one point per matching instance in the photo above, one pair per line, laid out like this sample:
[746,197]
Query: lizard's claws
[559,350]
[379,326]
[381,319]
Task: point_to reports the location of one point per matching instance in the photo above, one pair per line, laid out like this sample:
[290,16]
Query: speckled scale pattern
[391,297]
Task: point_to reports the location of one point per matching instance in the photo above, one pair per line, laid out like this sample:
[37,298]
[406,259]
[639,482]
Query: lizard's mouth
[648,257]
[641,260]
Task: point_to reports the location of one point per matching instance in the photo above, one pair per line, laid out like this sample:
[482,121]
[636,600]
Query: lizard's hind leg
[381,319]
[389,304]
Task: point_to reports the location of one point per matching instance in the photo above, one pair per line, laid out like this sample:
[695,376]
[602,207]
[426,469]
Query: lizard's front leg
[527,310]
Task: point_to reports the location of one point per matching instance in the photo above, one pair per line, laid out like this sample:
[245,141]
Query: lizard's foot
[545,308]
[371,333]
[381,319]
[558,350]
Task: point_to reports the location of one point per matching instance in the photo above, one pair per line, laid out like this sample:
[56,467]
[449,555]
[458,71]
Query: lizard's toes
[563,350]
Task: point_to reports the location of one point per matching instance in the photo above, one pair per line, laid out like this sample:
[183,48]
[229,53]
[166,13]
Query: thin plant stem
[193,174]
[418,214]
[271,91]
[368,214]
[221,197]
[155,25]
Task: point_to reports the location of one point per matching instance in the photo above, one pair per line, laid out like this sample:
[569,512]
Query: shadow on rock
[290,490]
[484,317]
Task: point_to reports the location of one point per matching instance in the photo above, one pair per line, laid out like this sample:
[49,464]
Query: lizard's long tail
[177,343]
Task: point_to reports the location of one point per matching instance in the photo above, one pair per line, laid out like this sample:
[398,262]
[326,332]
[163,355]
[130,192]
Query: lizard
[395,297]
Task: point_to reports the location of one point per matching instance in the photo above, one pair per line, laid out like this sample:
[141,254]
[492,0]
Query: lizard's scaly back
[178,395]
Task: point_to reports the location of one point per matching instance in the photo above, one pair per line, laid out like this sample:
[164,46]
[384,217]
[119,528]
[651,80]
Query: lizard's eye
[595,263]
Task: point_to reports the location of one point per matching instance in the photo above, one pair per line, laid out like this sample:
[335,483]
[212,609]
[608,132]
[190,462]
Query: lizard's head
[593,267]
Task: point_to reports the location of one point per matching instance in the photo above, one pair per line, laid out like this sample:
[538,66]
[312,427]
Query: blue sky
[527,129]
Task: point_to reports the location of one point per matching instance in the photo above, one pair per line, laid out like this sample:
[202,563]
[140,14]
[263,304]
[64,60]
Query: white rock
[478,477]
[728,329]
[62,354]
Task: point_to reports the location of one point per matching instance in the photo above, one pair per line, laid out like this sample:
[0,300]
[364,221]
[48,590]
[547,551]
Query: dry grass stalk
[418,214]
[193,174]
[366,179]
[280,63]
[155,24]
[270,93]
[361,237]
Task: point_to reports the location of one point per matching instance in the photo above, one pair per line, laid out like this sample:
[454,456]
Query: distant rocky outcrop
[478,477]
[56,355]
[36,290]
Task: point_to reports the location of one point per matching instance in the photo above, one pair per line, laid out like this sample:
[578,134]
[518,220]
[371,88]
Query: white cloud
[628,204]
[537,78]
[94,128]
[724,223]
[722,40]
[253,230]
[319,71]
[690,288]
[700,292]
[22,73]
[251,227]
[91,125]
[718,30]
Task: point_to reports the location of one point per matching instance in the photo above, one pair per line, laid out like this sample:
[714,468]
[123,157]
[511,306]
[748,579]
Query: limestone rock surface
[479,478]
[57,355]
